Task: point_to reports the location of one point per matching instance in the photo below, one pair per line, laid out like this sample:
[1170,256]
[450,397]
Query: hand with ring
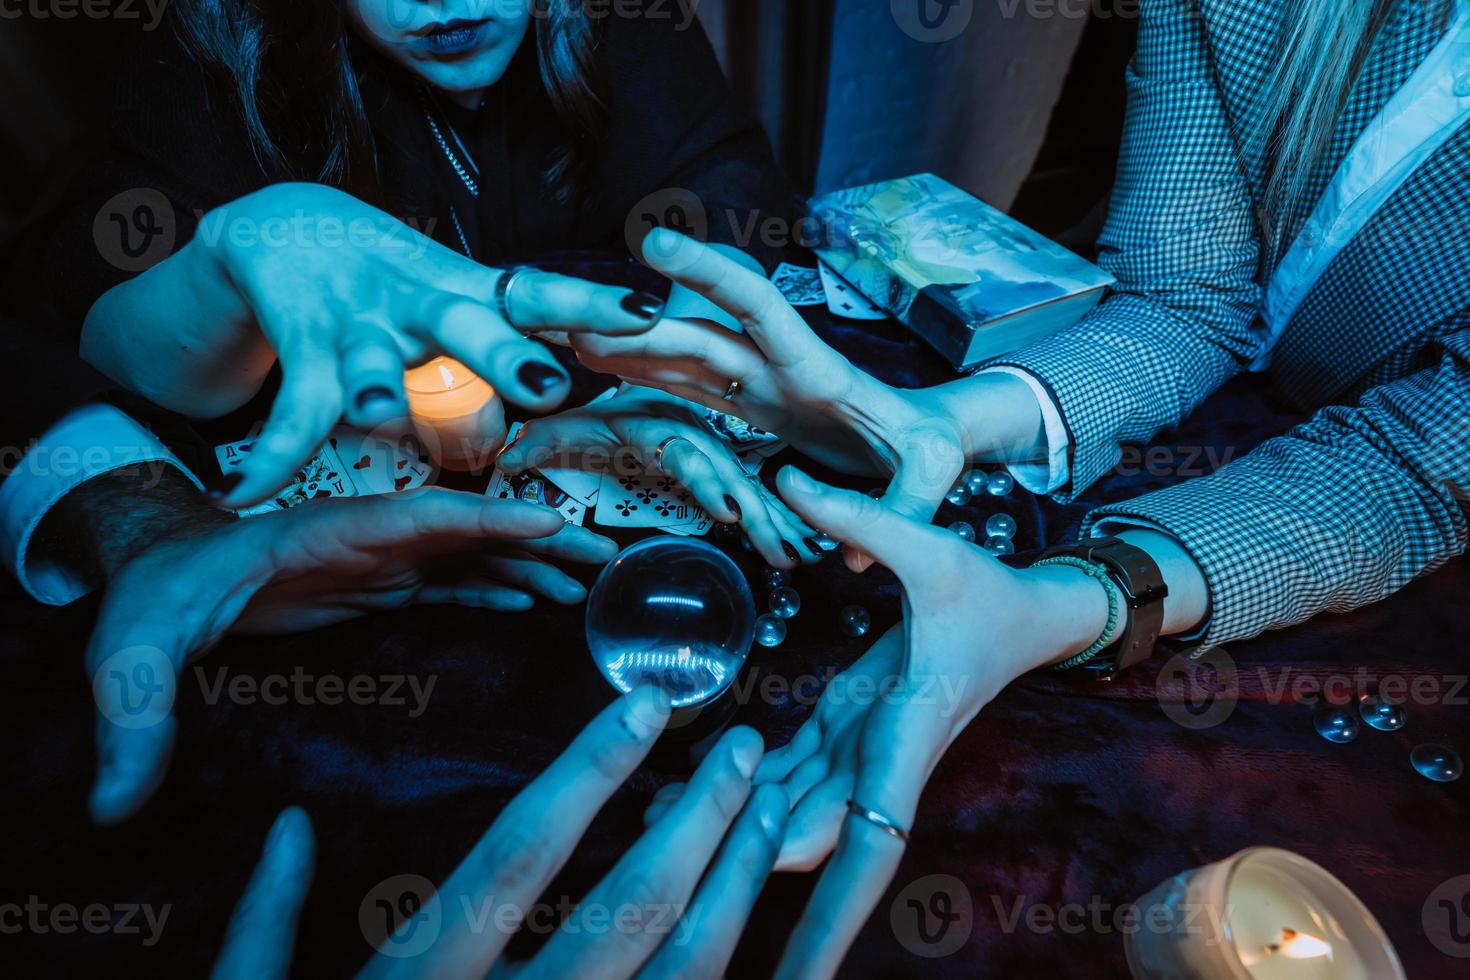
[344,315]
[855,770]
[668,435]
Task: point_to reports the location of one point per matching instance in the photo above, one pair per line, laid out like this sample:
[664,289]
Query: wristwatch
[1138,578]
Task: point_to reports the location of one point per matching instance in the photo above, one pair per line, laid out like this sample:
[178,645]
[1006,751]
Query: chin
[468,75]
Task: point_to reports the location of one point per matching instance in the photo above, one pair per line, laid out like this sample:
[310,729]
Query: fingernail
[374,397]
[644,305]
[747,752]
[220,489]
[645,713]
[800,481]
[773,807]
[277,830]
[734,507]
[539,377]
[791,552]
[812,546]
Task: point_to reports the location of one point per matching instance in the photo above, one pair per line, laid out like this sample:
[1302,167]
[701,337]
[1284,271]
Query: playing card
[845,301]
[322,477]
[740,434]
[536,488]
[800,286]
[377,465]
[582,484]
[644,500]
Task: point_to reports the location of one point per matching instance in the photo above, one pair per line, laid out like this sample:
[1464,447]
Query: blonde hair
[1321,49]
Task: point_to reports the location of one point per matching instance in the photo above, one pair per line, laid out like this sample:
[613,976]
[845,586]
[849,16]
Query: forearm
[106,522]
[179,335]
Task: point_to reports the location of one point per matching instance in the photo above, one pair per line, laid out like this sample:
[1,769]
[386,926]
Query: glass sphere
[776,577]
[1000,525]
[854,621]
[785,602]
[959,494]
[998,545]
[964,529]
[877,493]
[1335,723]
[673,612]
[976,481]
[1437,762]
[770,630]
[1386,716]
[1000,484]
[825,541]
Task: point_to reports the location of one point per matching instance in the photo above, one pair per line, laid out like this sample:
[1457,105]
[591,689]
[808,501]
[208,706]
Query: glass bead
[964,529]
[1335,723]
[674,613]
[1437,762]
[1001,526]
[877,493]
[1000,484]
[959,494]
[1384,715]
[854,621]
[770,630]
[977,481]
[785,602]
[999,545]
[776,577]
[825,541]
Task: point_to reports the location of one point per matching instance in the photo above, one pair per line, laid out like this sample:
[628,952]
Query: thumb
[861,522]
[262,930]
[134,691]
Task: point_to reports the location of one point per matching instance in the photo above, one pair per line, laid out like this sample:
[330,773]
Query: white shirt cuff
[88,442]
[1048,476]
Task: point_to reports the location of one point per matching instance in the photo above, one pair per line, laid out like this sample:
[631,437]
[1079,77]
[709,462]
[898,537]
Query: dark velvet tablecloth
[1062,793]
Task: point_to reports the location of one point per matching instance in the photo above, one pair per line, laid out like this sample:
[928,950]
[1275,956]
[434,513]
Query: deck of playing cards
[351,464]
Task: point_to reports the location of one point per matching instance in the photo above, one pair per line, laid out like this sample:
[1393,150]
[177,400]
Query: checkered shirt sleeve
[1182,243]
[1338,513]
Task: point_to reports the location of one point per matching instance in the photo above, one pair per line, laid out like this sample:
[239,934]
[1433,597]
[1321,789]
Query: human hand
[640,421]
[296,570]
[971,624]
[262,930]
[792,383]
[705,862]
[345,297]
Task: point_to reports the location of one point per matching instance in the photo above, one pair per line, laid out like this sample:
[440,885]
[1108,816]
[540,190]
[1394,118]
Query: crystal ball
[854,621]
[672,612]
[1384,715]
[1000,484]
[770,630]
[999,544]
[785,602]
[964,529]
[1437,762]
[1335,723]
[1000,526]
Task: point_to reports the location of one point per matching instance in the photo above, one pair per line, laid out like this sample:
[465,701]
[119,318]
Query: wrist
[998,416]
[1073,612]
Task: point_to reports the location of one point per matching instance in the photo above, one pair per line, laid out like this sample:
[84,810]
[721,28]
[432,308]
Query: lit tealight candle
[457,415]
[1263,914]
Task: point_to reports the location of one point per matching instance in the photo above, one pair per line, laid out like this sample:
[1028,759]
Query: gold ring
[878,820]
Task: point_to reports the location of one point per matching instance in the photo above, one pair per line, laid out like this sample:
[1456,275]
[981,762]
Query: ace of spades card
[322,477]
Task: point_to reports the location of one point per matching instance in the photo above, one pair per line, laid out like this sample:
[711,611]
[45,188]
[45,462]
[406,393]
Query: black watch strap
[1137,576]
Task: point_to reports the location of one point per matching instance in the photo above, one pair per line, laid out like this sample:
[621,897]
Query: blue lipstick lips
[455,38]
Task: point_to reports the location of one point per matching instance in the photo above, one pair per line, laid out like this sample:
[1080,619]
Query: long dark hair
[291,66]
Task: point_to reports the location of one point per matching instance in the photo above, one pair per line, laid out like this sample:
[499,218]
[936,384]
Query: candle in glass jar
[457,415]
[1263,914]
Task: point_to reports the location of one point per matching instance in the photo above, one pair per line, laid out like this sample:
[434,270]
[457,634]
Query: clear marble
[999,545]
[785,602]
[964,529]
[770,630]
[854,621]
[1336,723]
[977,482]
[1437,762]
[776,577]
[1386,716]
[672,612]
[826,542]
[1000,484]
[1000,525]
[958,495]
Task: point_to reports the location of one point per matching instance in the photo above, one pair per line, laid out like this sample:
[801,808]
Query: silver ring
[503,286]
[878,820]
[732,391]
[658,454]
